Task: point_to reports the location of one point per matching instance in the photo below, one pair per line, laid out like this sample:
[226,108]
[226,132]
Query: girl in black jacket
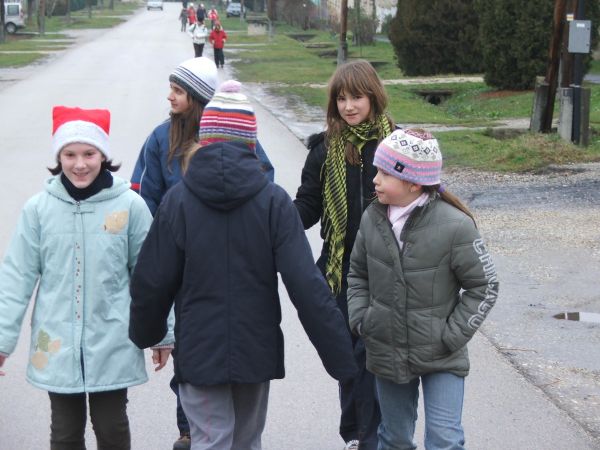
[337,186]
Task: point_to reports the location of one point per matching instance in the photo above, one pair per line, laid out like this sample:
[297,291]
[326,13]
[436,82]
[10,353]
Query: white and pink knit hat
[410,155]
[87,126]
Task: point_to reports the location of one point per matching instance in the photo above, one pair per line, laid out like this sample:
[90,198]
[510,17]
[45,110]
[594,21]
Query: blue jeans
[443,395]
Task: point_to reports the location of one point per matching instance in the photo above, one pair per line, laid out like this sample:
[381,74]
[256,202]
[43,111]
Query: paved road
[126,70]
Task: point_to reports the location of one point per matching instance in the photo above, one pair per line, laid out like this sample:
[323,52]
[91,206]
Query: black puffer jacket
[360,193]
[217,242]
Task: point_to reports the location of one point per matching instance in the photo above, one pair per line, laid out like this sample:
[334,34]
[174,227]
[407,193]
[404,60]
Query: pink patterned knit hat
[410,155]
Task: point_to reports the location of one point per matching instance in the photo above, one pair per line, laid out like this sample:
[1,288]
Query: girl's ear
[415,187]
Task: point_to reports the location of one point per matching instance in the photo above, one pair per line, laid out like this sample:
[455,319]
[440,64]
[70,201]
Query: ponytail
[450,198]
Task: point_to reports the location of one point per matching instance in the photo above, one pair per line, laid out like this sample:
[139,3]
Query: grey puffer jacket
[417,308]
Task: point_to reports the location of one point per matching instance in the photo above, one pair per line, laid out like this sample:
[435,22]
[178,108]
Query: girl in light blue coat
[79,239]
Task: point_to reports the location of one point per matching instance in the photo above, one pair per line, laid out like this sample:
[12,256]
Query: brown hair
[354,78]
[106,165]
[184,130]
[450,198]
[185,160]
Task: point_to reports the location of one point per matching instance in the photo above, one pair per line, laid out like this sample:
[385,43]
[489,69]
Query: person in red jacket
[213,16]
[191,12]
[217,39]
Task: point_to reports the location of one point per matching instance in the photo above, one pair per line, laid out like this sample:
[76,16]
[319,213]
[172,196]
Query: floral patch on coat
[116,221]
[44,347]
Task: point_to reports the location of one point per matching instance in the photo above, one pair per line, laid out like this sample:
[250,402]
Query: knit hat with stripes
[413,155]
[198,76]
[229,116]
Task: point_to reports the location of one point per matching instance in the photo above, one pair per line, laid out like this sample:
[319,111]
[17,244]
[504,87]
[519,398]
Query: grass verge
[291,65]
[35,46]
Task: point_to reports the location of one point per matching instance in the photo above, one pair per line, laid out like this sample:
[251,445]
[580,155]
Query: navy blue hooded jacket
[217,242]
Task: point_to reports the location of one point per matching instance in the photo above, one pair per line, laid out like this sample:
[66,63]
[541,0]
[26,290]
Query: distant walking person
[183,17]
[199,34]
[77,241]
[201,13]
[421,283]
[217,38]
[191,12]
[213,16]
[217,243]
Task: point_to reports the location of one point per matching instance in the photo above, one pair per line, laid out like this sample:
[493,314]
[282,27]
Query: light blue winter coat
[82,253]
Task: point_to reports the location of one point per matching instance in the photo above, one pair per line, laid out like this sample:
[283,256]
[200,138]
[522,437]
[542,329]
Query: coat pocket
[377,324]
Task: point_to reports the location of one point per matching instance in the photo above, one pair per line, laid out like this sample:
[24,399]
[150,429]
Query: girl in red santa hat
[78,241]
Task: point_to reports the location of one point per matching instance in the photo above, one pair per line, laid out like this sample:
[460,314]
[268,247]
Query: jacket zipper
[80,285]
[362,197]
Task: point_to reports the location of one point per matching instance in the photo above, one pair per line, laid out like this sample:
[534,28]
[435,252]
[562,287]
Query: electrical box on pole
[580,34]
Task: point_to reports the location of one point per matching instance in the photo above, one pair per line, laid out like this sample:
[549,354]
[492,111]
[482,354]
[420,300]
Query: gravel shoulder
[544,234]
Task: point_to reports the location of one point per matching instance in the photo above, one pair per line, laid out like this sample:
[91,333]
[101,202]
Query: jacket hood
[55,187]
[225,175]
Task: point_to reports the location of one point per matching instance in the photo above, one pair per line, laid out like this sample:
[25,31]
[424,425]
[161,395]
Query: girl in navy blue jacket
[217,242]
[159,164]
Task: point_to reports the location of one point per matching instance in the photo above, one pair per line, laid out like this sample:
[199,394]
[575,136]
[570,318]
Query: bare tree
[30,8]
[41,17]
[343,48]
[2,24]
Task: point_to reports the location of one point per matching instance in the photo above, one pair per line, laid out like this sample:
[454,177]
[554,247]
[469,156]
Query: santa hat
[87,126]
[410,155]
[229,116]
[198,76]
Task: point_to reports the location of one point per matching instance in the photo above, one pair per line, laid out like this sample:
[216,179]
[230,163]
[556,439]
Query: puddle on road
[579,316]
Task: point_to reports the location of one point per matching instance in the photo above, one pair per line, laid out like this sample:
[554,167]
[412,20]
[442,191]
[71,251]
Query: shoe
[184,442]
[351,445]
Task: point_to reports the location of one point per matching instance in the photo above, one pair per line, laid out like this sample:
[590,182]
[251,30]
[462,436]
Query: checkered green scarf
[335,207]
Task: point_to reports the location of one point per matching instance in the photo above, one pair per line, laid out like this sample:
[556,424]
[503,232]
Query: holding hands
[160,356]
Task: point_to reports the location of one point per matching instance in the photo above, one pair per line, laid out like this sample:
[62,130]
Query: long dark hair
[184,130]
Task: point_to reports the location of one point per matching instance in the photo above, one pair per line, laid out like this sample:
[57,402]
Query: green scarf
[335,207]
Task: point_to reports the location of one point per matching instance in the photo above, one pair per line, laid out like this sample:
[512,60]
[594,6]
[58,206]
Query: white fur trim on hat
[82,132]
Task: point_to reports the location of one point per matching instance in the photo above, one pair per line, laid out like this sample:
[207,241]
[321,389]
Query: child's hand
[2,359]
[160,356]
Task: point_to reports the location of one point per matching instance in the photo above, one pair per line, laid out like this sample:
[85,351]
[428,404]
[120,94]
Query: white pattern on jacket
[82,254]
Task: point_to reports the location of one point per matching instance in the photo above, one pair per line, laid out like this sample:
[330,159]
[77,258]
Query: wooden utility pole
[343,48]
[560,8]
[566,60]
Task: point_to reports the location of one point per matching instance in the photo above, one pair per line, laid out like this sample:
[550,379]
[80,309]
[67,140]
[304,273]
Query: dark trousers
[360,414]
[182,422]
[108,412]
[198,49]
[219,57]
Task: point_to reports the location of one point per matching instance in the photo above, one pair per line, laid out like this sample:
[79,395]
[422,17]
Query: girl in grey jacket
[421,282]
